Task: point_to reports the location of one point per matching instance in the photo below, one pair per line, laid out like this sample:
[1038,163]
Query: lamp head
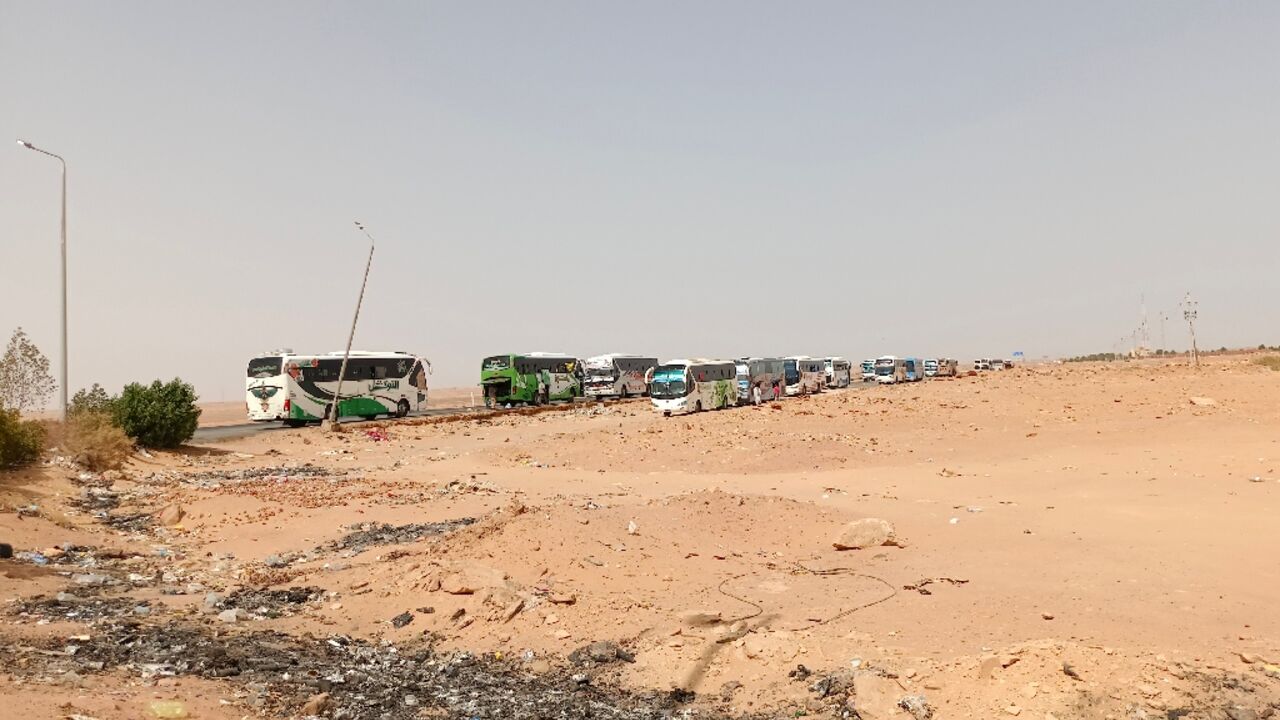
[26,145]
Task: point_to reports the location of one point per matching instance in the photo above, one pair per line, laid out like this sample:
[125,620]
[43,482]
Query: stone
[1203,401]
[1236,712]
[864,533]
[467,578]
[274,561]
[874,697]
[987,668]
[212,601]
[699,618]
[917,706]
[170,515]
[317,704]
[602,652]
[1013,710]
[232,615]
[632,528]
[563,598]
[402,619]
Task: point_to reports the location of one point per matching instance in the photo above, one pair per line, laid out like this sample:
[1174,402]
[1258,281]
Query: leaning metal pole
[342,371]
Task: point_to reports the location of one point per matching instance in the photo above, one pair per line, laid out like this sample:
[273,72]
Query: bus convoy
[299,389]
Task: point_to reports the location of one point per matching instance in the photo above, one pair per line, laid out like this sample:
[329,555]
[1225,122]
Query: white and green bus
[683,386]
[298,389]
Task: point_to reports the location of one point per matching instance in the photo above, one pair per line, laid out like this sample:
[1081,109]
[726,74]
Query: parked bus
[930,367]
[531,378]
[914,369]
[890,369]
[683,386]
[760,380]
[948,367]
[804,375]
[868,371]
[617,375]
[298,389]
[838,371]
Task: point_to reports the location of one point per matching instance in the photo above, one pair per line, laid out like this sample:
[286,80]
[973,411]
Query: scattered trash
[402,619]
[917,706]
[632,528]
[922,585]
[377,435]
[167,709]
[366,535]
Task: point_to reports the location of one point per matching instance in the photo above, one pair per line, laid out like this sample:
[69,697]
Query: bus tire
[402,408]
[697,406]
[294,423]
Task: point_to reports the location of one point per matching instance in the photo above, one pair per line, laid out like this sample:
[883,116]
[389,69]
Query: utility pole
[62,389]
[1189,312]
[331,423]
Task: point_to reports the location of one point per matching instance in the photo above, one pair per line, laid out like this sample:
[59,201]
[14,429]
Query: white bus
[804,375]
[868,371]
[839,372]
[760,380]
[684,386]
[617,375]
[890,370]
[299,389]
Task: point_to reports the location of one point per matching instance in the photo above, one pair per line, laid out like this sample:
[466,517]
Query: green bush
[95,401]
[160,415]
[20,440]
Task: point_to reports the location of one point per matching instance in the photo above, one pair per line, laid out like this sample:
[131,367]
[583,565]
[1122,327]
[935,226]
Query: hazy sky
[673,178]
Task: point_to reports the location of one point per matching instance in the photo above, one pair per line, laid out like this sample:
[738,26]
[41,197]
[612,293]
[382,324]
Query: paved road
[232,432]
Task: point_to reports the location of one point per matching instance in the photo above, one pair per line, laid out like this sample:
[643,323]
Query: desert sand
[1068,541]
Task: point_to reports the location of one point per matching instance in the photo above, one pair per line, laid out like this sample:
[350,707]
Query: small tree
[94,401]
[25,381]
[160,415]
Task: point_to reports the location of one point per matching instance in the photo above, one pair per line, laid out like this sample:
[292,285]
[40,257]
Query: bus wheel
[697,406]
[294,423]
[402,408]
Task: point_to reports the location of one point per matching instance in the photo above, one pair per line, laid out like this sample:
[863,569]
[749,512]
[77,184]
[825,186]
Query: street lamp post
[62,408]
[332,421]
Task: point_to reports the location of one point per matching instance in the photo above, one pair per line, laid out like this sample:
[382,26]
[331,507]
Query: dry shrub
[94,442]
[1268,361]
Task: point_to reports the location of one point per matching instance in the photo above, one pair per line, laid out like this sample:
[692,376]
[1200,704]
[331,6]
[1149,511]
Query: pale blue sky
[670,178]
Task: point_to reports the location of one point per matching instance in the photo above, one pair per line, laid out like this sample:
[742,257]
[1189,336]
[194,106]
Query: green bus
[531,378]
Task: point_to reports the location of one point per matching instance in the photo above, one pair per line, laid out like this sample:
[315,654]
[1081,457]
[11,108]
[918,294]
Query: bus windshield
[264,367]
[497,362]
[669,383]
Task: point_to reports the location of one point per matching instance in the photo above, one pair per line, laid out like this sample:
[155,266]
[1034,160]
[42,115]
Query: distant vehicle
[890,369]
[995,364]
[838,372]
[760,380]
[531,378]
[930,367]
[299,389]
[617,375]
[1008,364]
[982,364]
[804,375]
[685,386]
[868,371]
[947,367]
[914,369]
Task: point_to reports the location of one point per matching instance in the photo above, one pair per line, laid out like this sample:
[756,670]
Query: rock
[988,667]
[728,689]
[1013,710]
[317,704]
[563,598]
[1250,658]
[171,515]
[1236,712]
[699,618]
[632,528]
[402,619]
[411,700]
[874,697]
[1203,401]
[91,580]
[865,533]
[512,610]
[232,615]
[602,652]
[1046,615]
[917,706]
[469,577]
[66,597]
[212,601]
[539,667]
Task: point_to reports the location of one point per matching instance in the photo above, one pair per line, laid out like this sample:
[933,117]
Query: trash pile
[366,535]
[349,679]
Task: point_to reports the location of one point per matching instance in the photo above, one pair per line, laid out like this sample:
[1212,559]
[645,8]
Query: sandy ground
[1071,541]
